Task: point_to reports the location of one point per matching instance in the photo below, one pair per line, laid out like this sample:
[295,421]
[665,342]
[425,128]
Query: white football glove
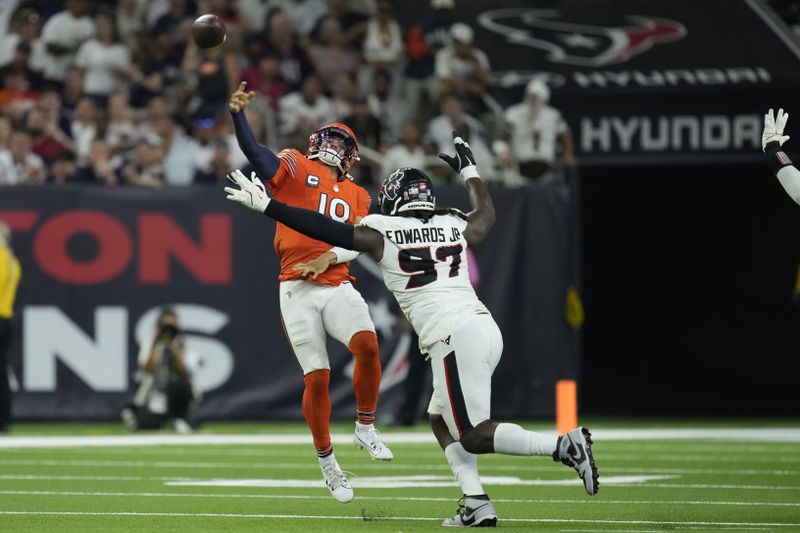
[251,192]
[463,162]
[773,129]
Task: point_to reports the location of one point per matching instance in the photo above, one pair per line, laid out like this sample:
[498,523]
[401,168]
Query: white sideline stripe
[382,498]
[660,434]
[394,482]
[417,467]
[395,518]
[27,477]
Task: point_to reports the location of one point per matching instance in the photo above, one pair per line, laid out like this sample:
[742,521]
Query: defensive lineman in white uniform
[422,253]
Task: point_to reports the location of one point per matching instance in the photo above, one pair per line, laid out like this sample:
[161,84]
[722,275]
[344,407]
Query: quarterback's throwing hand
[251,192]
[773,129]
[240,98]
[463,162]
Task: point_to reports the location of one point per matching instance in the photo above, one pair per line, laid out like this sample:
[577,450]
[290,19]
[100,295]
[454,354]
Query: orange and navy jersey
[303,182]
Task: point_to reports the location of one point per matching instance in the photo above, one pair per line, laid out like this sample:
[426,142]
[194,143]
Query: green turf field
[741,480]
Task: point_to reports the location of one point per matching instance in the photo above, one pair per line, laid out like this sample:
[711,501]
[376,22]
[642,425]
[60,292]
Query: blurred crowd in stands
[117,93]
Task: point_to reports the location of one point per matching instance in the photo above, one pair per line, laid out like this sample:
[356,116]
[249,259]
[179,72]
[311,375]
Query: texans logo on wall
[580,44]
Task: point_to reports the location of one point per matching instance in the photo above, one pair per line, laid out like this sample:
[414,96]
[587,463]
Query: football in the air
[208,31]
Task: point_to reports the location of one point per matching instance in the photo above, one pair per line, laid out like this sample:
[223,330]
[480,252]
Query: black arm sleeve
[776,158]
[312,224]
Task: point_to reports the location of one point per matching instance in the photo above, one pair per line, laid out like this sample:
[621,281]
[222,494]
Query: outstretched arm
[252,194]
[482,217]
[771,141]
[262,158]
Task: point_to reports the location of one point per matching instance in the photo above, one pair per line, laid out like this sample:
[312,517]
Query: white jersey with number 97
[424,264]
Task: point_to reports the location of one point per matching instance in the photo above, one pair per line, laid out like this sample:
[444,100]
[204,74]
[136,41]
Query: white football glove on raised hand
[464,161]
[251,192]
[773,129]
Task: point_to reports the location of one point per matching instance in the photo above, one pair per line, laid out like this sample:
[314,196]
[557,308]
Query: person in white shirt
[301,112]
[105,61]
[453,118]
[383,44]
[62,35]
[771,142]
[408,153]
[18,165]
[180,153]
[463,69]
[537,130]
[26,27]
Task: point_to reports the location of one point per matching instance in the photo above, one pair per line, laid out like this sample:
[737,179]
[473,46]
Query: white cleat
[368,438]
[574,449]
[473,511]
[336,481]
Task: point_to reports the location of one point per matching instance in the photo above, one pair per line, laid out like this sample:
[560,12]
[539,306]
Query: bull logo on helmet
[391,186]
[580,44]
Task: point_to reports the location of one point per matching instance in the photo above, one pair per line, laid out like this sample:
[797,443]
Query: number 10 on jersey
[338,209]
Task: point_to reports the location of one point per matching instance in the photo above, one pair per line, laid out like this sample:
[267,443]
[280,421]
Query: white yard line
[399,518]
[387,498]
[660,434]
[310,465]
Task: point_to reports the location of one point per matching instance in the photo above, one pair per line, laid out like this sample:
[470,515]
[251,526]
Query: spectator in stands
[266,79]
[423,42]
[20,63]
[384,104]
[344,93]
[56,120]
[18,163]
[383,44]
[353,25]
[63,170]
[84,127]
[62,35]
[166,393]
[204,134]
[537,131]
[105,61]
[26,27]
[219,165]
[279,40]
[73,89]
[462,69]
[180,153]
[16,94]
[369,131]
[10,273]
[217,77]
[48,141]
[121,131]
[304,14]
[331,54]
[301,112]
[100,166]
[130,15]
[408,153]
[144,168]
[453,118]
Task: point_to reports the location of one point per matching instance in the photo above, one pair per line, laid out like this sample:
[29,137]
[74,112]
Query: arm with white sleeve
[771,142]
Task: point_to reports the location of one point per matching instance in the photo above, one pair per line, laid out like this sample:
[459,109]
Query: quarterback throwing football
[422,252]
[327,303]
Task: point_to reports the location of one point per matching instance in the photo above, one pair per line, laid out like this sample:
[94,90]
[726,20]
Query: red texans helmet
[334,144]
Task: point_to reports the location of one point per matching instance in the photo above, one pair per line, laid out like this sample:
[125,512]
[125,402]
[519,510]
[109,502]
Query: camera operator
[166,392]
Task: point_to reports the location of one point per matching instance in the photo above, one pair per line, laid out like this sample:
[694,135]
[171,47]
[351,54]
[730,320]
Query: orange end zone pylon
[566,405]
